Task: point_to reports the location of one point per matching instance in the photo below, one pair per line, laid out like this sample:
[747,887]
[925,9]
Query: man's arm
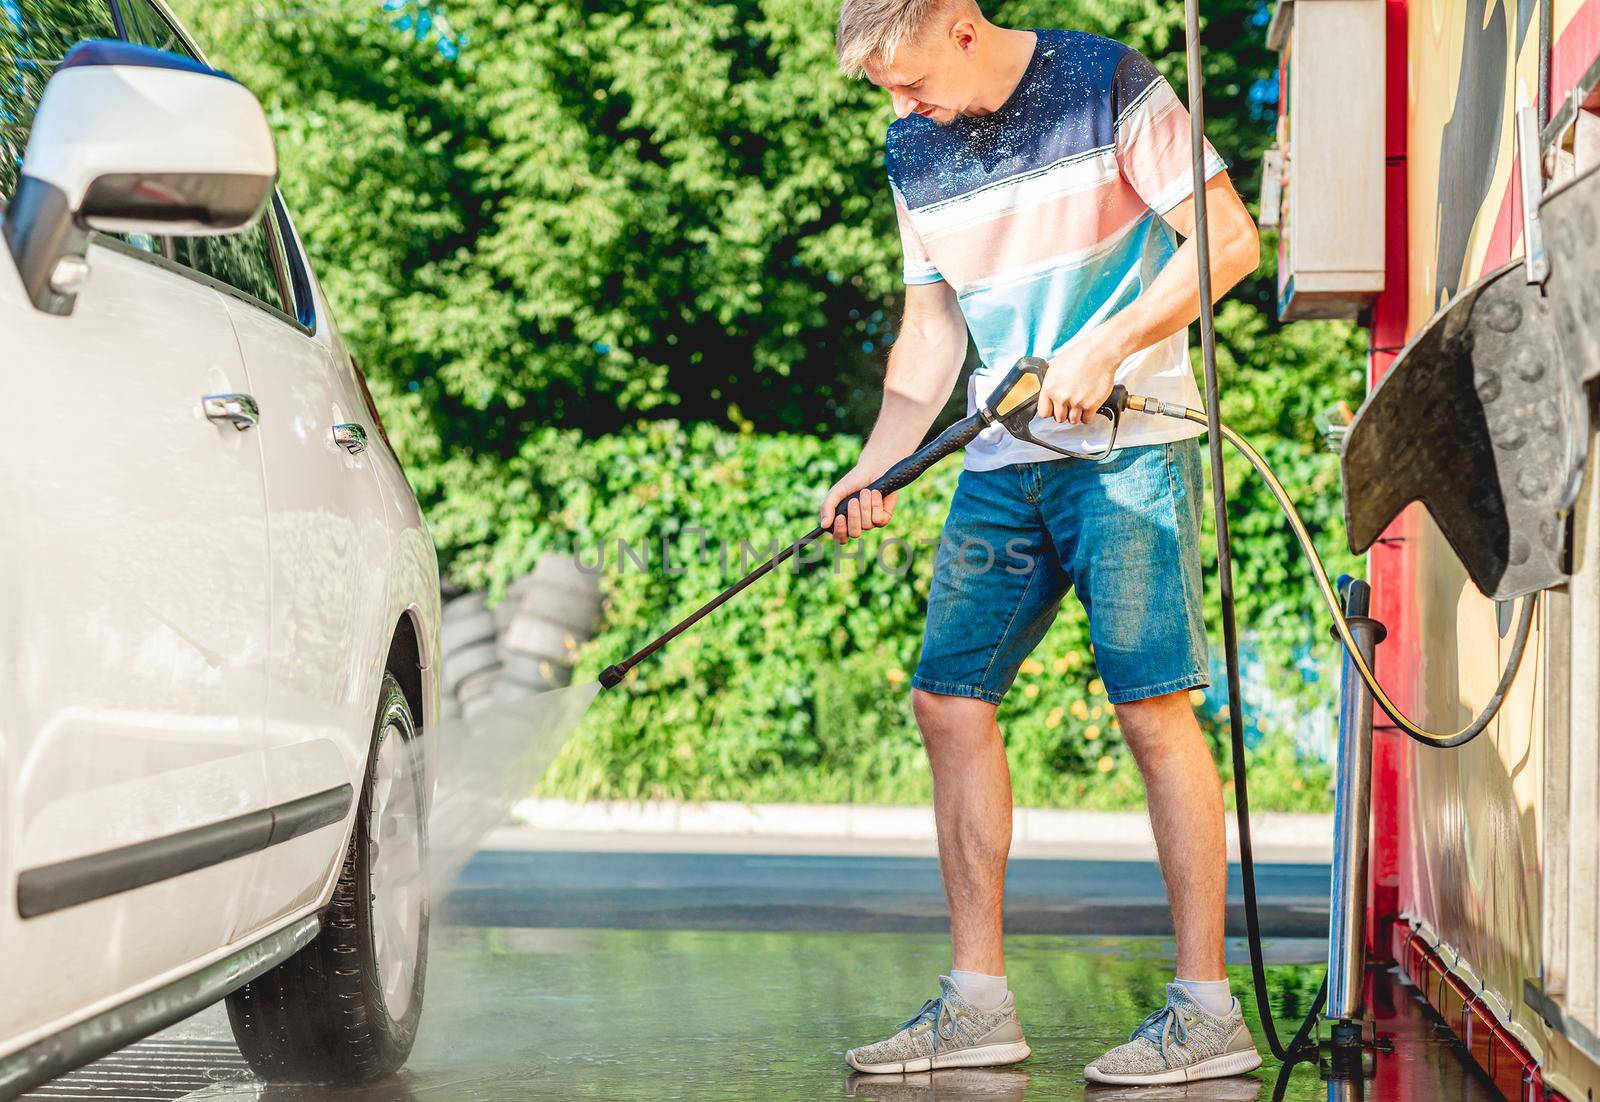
[923,367]
[1080,378]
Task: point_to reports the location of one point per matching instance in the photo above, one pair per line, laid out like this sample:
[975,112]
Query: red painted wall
[1387,564]
[1574,50]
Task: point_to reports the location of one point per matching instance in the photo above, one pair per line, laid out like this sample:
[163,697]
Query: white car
[219,605]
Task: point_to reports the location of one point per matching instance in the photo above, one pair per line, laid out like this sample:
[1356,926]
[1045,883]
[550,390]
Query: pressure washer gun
[1013,404]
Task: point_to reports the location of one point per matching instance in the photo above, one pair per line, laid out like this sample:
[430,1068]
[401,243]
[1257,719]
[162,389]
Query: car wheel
[346,1007]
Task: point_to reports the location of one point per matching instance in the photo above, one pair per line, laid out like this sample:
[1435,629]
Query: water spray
[490,761]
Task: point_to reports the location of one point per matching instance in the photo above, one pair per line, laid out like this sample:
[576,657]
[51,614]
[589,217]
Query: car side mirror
[128,139]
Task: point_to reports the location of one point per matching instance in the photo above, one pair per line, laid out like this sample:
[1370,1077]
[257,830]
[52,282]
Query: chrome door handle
[351,437]
[238,410]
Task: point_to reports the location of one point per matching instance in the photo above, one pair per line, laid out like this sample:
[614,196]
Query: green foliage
[605,209]
[32,41]
[592,248]
[597,210]
[798,690]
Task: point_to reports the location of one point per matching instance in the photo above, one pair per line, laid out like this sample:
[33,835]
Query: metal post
[1352,817]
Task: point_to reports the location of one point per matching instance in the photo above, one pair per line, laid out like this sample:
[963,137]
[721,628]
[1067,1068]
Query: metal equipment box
[1330,194]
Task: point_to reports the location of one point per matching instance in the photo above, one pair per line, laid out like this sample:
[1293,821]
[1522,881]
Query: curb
[670,825]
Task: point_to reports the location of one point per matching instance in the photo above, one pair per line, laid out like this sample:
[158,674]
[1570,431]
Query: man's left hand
[1079,380]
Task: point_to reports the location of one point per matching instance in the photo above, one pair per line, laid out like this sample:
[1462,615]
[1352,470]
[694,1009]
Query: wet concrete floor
[565,1011]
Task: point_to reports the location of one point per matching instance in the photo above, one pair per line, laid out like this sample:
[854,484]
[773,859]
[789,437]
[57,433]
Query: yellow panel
[1471,864]
[1468,73]
[1471,860]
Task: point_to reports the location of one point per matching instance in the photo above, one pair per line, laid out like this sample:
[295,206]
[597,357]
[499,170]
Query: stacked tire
[524,645]
[471,664]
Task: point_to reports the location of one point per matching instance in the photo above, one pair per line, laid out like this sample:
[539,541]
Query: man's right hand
[924,363]
[851,509]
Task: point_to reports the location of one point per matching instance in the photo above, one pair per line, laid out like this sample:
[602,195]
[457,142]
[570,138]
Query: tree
[602,215]
[595,211]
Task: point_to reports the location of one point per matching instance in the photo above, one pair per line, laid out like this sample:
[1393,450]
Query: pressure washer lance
[1015,402]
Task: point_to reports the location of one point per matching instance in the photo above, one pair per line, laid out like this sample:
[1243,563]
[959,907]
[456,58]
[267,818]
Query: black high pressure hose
[1300,1045]
[1219,504]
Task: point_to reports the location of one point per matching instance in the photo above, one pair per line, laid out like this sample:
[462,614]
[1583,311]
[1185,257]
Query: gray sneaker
[1179,1043]
[948,1032]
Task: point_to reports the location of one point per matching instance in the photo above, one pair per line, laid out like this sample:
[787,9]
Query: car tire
[479,684]
[541,639]
[557,605]
[563,571]
[464,605]
[533,673]
[477,705]
[467,629]
[507,608]
[345,1008]
[462,664]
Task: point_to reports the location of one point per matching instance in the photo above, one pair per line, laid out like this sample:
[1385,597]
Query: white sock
[981,992]
[1214,996]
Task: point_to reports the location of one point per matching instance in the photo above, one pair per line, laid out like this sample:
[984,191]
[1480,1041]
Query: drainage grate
[153,1070]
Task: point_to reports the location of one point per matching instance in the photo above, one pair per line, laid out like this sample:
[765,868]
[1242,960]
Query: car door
[326,529]
[330,553]
[133,612]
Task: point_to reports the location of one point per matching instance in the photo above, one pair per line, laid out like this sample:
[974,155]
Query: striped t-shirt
[1044,217]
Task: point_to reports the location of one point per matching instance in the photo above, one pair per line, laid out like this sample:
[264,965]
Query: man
[1040,178]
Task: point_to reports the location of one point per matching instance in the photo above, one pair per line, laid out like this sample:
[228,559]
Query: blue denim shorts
[1124,532]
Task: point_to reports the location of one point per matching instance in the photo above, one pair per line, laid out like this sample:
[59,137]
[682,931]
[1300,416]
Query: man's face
[934,75]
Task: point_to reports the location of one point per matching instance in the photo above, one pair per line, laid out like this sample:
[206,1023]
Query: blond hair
[872,30]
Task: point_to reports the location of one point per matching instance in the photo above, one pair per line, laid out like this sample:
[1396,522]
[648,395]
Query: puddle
[520,1013]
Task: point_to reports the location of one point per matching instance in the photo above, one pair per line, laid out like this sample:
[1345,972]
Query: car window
[34,36]
[148,27]
[241,260]
[296,281]
[249,261]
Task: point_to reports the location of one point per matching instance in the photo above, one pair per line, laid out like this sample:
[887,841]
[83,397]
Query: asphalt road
[694,891]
